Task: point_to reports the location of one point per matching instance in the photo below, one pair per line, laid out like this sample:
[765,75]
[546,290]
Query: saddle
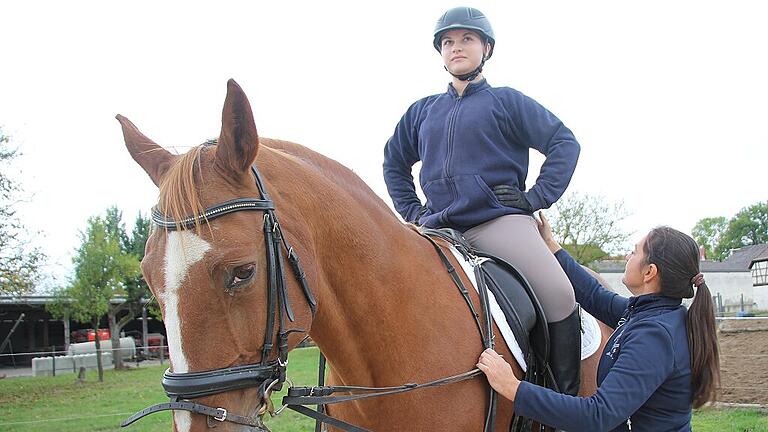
[513,293]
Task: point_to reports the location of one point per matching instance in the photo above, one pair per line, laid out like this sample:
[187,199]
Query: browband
[210,213]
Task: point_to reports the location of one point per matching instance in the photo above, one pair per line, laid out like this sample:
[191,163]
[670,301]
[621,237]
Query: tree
[135,246]
[19,262]
[134,288]
[588,226]
[708,231]
[748,227]
[101,268]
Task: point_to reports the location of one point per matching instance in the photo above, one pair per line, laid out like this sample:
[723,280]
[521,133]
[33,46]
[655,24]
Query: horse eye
[240,276]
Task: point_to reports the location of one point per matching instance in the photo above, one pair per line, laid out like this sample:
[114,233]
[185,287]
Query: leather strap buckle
[221,417]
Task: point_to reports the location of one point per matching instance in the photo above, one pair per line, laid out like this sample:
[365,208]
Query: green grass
[735,420]
[47,403]
[57,403]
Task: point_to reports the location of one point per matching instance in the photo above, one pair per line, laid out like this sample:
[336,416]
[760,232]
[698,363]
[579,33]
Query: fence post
[144,337]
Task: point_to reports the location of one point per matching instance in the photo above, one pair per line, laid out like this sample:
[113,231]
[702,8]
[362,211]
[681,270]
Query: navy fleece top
[468,144]
[644,376]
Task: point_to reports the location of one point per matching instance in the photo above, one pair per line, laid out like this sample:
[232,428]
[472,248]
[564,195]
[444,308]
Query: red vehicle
[88,335]
[155,344]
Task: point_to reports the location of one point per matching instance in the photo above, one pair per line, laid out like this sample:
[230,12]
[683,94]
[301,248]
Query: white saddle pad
[590,337]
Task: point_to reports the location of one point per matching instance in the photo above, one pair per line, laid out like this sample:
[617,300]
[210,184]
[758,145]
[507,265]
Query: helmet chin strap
[469,76]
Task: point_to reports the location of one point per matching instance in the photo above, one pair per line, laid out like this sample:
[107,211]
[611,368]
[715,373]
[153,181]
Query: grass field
[57,403]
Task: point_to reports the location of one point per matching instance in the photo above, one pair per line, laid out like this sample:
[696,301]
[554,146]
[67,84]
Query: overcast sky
[668,99]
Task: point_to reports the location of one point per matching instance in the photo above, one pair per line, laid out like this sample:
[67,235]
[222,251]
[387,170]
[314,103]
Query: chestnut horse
[387,310]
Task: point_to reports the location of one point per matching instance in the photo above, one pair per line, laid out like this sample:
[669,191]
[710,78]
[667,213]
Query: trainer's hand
[545,230]
[499,373]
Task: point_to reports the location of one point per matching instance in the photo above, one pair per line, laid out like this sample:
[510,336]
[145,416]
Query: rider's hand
[546,233]
[499,373]
[511,196]
[422,212]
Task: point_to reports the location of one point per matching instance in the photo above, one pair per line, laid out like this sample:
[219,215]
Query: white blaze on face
[183,250]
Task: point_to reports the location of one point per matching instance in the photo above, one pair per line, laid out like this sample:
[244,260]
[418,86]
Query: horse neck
[374,278]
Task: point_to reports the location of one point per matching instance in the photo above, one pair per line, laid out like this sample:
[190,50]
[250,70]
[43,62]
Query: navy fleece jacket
[644,376]
[468,144]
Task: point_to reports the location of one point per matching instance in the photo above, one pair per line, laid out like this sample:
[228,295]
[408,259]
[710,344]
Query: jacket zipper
[449,151]
[451,125]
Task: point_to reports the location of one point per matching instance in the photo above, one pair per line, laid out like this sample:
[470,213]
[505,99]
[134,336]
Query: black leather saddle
[513,294]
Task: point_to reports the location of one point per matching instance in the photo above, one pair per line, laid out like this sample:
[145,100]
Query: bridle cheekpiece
[268,375]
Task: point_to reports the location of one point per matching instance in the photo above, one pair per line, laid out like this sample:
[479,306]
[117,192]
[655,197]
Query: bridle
[267,375]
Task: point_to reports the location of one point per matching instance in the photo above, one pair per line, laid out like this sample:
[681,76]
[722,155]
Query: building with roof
[738,283]
[27,327]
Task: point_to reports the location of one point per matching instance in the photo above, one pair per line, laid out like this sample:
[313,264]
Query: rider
[473,142]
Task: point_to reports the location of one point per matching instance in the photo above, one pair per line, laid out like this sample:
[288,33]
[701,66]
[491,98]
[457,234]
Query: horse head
[226,303]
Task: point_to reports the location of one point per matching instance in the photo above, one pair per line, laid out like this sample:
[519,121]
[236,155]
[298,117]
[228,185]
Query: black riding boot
[565,352]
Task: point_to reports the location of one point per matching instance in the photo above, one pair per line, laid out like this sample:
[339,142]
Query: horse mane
[333,171]
[179,196]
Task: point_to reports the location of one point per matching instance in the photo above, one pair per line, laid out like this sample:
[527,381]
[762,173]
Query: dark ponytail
[702,342]
[676,256]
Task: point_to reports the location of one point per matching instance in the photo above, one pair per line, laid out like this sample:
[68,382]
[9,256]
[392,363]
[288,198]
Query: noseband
[267,375]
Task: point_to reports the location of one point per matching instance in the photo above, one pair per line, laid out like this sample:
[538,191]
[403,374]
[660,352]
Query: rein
[269,375]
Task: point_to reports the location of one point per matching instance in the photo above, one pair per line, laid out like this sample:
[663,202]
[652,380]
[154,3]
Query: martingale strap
[321,418]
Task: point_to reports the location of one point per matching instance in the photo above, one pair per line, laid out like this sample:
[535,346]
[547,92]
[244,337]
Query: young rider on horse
[660,360]
[473,142]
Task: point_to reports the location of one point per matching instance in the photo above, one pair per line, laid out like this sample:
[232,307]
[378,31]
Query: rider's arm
[400,154]
[538,128]
[644,362]
[605,305]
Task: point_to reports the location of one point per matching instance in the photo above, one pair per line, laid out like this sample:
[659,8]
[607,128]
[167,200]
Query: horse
[386,313]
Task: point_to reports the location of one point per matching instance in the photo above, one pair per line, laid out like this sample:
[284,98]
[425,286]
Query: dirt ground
[744,361]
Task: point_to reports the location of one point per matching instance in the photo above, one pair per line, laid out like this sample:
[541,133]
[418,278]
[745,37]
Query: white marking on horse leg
[183,250]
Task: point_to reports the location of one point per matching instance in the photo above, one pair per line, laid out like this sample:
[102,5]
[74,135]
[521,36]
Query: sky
[667,99]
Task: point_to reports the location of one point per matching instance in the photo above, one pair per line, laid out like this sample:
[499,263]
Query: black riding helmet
[464,18]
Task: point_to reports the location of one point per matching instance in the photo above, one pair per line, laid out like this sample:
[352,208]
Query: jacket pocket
[474,201]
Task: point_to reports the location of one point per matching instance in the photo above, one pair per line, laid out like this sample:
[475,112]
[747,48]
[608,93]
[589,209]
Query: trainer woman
[473,142]
[661,359]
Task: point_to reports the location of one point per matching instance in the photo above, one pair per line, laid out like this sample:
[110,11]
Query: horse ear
[154,159]
[238,141]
